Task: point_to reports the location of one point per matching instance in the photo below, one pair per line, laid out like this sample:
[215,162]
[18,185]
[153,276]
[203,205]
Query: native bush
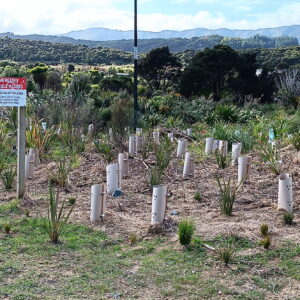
[270,157]
[186,229]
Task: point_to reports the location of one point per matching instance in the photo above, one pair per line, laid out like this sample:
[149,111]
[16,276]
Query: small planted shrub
[228,194]
[105,148]
[198,196]
[8,177]
[71,201]
[266,242]
[225,255]
[155,176]
[264,230]
[133,239]
[270,157]
[7,228]
[288,218]
[163,153]
[57,217]
[223,161]
[186,229]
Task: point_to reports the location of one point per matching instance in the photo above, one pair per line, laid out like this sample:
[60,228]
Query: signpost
[13,93]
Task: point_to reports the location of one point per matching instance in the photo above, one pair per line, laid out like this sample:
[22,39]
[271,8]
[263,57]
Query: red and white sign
[12,91]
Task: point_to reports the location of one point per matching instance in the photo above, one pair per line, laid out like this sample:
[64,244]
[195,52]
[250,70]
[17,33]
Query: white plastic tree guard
[209,142]
[29,166]
[223,147]
[156,135]
[215,146]
[91,130]
[244,165]
[189,131]
[35,156]
[139,131]
[111,134]
[44,125]
[285,193]
[140,141]
[123,164]
[132,145]
[181,148]
[113,177]
[189,165]
[159,203]
[235,153]
[171,136]
[98,202]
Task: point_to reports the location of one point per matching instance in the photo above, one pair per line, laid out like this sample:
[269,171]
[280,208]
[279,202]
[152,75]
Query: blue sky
[61,16]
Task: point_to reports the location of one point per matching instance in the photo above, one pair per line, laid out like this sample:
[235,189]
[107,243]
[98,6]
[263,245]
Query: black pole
[135,77]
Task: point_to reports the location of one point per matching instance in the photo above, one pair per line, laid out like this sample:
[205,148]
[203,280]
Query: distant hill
[31,51]
[104,34]
[175,44]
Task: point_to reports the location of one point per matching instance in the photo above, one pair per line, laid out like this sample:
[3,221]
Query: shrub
[198,196]
[105,148]
[163,153]
[266,242]
[227,195]
[155,176]
[133,239]
[186,229]
[223,161]
[264,230]
[57,218]
[7,228]
[225,255]
[270,157]
[8,177]
[288,218]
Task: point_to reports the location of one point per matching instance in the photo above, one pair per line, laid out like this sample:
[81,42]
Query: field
[119,258]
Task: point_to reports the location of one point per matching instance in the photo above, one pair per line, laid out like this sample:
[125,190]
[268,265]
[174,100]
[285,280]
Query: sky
[62,16]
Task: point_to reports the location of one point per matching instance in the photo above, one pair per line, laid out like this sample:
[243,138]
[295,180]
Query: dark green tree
[39,74]
[159,68]
[208,71]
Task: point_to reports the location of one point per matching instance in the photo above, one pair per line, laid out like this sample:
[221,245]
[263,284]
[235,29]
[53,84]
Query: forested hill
[200,43]
[52,53]
[174,44]
[37,51]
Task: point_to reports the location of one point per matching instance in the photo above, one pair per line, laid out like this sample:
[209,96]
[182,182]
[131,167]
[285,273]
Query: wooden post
[21,151]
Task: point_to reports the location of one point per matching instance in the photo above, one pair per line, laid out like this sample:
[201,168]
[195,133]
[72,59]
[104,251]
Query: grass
[89,263]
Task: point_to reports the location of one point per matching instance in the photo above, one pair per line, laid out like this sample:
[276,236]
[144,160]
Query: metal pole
[135,77]
[21,152]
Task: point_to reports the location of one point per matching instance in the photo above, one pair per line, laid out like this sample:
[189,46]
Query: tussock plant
[132,239]
[228,193]
[198,196]
[226,254]
[105,148]
[295,140]
[270,157]
[186,229]
[57,217]
[266,242]
[7,228]
[264,230]
[288,218]
[223,161]
[8,177]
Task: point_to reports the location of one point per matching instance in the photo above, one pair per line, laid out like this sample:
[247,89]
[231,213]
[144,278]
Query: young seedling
[225,255]
[264,230]
[186,229]
[71,201]
[132,239]
[266,242]
[198,196]
[7,228]
[288,218]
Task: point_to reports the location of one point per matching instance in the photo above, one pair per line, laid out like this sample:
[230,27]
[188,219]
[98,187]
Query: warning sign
[12,91]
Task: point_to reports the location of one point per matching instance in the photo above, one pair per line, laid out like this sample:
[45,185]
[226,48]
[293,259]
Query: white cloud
[60,16]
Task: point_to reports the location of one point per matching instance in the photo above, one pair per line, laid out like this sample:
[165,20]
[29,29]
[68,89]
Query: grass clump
[186,229]
[7,228]
[8,177]
[270,157]
[223,161]
[198,197]
[264,230]
[57,218]
[106,149]
[266,242]
[225,255]
[133,239]
[288,218]
[228,194]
